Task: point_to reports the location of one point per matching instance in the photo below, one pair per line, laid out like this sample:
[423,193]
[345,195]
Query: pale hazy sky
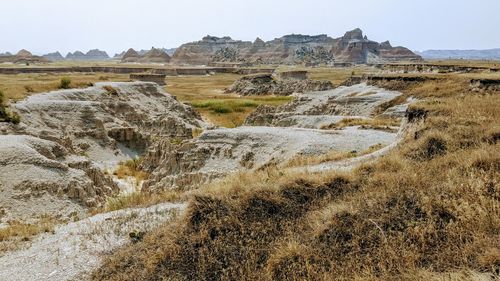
[114,25]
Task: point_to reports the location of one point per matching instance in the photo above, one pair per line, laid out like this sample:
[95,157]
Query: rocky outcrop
[24,54]
[96,55]
[77,55]
[148,77]
[273,136]
[54,56]
[353,47]
[22,57]
[90,55]
[266,84]
[322,109]
[107,123]
[130,55]
[356,48]
[202,52]
[155,56]
[106,116]
[152,56]
[40,177]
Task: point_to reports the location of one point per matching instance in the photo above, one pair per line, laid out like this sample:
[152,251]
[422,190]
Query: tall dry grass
[428,210]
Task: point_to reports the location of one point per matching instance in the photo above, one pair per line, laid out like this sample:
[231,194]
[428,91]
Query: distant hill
[491,54]
[169,52]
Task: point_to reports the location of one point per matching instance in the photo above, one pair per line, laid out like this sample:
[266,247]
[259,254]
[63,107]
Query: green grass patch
[224,106]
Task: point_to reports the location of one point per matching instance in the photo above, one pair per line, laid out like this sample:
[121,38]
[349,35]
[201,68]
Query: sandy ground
[76,249]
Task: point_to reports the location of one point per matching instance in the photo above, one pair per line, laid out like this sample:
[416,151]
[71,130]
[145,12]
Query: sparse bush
[65,83]
[111,90]
[222,109]
[5,114]
[14,118]
[131,168]
[3,111]
[29,89]
[196,132]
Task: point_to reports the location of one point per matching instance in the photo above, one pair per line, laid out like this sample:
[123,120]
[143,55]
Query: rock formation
[41,158]
[77,55]
[40,177]
[266,84]
[272,136]
[321,109]
[23,56]
[54,56]
[201,52]
[96,54]
[130,55]
[155,56]
[152,56]
[90,55]
[353,47]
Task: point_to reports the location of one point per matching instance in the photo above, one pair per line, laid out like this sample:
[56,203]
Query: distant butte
[353,47]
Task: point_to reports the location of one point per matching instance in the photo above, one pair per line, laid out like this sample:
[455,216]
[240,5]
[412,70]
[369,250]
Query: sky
[43,26]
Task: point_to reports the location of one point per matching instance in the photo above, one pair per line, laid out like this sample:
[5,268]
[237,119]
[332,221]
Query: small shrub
[196,132]
[5,114]
[222,109]
[111,90]
[28,89]
[65,83]
[14,118]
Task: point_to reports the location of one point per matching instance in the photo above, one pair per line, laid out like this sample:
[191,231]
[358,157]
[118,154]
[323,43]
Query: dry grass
[130,168]
[141,199]
[206,94]
[17,232]
[330,156]
[380,123]
[19,86]
[428,210]
[336,75]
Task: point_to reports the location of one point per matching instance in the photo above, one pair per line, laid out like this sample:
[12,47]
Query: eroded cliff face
[53,161]
[41,177]
[266,84]
[353,47]
[272,136]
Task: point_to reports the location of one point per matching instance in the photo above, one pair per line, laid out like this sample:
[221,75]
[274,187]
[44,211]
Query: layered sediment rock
[353,47]
[40,177]
[105,116]
[90,55]
[77,55]
[202,52]
[155,56]
[23,56]
[266,84]
[110,122]
[322,109]
[152,56]
[54,56]
[273,136]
